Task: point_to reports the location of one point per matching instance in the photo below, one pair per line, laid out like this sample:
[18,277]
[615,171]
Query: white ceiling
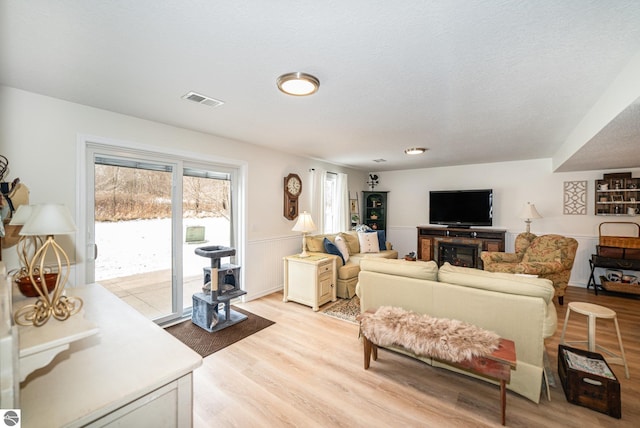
[473,81]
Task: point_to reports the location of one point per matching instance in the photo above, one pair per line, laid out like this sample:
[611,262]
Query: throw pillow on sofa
[353,243]
[331,248]
[368,242]
[315,243]
[382,239]
[342,247]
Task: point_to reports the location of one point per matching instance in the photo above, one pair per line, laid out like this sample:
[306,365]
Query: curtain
[340,217]
[316,192]
[342,203]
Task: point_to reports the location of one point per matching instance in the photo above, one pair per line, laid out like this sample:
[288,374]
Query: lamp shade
[21,215]
[529,211]
[304,224]
[49,219]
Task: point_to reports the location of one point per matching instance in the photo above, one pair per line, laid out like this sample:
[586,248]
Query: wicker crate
[620,287]
[619,241]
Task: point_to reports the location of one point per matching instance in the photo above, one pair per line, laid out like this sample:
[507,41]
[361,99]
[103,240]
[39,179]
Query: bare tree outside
[123,193]
[204,197]
[133,232]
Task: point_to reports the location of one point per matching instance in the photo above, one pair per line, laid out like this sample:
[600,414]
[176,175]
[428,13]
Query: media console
[458,246]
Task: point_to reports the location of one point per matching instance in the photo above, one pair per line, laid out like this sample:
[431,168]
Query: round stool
[593,312]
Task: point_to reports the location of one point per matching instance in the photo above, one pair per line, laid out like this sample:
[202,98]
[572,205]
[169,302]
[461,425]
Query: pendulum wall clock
[292,190]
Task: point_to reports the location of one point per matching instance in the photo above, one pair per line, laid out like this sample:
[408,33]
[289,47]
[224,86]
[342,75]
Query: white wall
[513,184]
[39,136]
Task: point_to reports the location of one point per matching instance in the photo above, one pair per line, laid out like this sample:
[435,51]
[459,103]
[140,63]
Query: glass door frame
[177,306]
[88,146]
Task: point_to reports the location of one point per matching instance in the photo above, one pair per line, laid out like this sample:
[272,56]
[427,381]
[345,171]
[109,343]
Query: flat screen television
[461,208]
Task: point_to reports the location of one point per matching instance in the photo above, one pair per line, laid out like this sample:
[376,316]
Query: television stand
[447,244]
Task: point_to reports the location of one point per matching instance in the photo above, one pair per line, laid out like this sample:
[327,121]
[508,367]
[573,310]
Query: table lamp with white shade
[48,220]
[529,212]
[305,225]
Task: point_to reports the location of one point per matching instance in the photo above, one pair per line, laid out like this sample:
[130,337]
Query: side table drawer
[325,268]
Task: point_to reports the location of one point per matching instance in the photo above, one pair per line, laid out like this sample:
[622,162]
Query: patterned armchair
[548,256]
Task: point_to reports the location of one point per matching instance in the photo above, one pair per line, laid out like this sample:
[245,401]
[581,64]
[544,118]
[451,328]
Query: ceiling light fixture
[415,151]
[298,84]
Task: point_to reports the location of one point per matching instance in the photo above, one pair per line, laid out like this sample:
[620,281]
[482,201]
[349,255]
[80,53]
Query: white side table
[310,280]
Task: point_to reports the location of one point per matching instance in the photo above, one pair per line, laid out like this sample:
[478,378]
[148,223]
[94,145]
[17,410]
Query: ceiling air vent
[202,99]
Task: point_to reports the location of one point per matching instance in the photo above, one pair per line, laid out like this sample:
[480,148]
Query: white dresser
[130,373]
[9,374]
[310,280]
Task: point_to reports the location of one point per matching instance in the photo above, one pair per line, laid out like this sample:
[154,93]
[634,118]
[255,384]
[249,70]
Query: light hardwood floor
[307,371]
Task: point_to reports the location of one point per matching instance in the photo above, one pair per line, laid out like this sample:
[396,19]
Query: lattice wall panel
[575,198]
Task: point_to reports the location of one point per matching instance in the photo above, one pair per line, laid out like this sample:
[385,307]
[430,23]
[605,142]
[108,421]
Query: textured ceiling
[473,81]
[618,143]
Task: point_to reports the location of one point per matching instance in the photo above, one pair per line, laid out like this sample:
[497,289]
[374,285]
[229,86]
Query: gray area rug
[344,309]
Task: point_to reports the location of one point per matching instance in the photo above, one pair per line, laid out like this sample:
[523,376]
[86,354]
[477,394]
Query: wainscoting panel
[264,266]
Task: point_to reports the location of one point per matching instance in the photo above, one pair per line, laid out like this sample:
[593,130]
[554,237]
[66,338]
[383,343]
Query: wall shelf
[616,194]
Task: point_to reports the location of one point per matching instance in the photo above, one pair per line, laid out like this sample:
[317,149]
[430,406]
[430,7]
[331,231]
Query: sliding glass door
[134,234]
[146,216]
[206,221]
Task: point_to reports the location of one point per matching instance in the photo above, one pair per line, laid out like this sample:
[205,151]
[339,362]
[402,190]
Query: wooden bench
[496,366]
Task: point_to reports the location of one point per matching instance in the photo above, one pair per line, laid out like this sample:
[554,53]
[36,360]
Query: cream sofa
[516,307]
[348,272]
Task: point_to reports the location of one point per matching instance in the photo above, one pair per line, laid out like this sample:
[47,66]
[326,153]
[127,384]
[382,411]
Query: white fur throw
[441,338]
